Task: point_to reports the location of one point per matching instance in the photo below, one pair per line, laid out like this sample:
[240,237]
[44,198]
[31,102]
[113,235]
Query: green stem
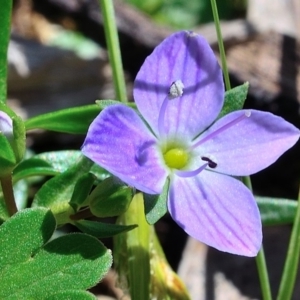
[261,261]
[5,17]
[8,194]
[81,214]
[113,46]
[133,250]
[221,44]
[136,242]
[292,261]
[247,182]
[263,275]
[260,258]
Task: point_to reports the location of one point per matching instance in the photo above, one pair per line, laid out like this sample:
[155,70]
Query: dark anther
[211,163]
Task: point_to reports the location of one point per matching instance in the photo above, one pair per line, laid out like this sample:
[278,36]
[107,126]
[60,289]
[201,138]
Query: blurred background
[57,59]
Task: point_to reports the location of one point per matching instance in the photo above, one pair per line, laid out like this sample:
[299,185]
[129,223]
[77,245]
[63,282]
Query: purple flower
[179,93]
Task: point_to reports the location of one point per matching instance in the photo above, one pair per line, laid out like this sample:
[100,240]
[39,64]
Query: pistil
[176,158]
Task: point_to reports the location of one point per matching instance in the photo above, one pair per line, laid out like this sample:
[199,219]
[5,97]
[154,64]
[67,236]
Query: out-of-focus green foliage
[74,41]
[186,14]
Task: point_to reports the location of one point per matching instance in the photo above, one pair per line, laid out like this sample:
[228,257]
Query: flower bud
[6,126]
[7,156]
[12,137]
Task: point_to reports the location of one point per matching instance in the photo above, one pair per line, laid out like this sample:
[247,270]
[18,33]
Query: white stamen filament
[247,114]
[176,90]
[161,117]
[193,173]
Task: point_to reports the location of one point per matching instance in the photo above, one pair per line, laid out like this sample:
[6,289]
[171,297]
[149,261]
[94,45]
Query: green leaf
[110,198]
[60,161]
[22,235]
[33,268]
[57,192]
[5,18]
[73,294]
[81,190]
[234,99]
[156,205]
[75,120]
[34,166]
[53,163]
[276,211]
[102,230]
[76,42]
[105,103]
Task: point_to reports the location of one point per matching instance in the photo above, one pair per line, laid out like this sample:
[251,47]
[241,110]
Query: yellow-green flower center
[176,158]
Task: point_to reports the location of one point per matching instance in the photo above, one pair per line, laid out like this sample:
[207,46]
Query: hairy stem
[81,214]
[8,194]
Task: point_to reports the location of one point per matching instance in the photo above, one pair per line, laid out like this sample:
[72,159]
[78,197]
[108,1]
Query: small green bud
[110,198]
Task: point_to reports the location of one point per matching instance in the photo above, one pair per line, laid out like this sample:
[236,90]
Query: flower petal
[120,142]
[187,57]
[250,145]
[217,210]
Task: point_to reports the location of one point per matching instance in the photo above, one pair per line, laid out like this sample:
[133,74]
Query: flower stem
[134,243]
[221,44]
[263,275]
[8,194]
[260,258]
[113,46]
[292,261]
[261,261]
[5,17]
[133,251]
